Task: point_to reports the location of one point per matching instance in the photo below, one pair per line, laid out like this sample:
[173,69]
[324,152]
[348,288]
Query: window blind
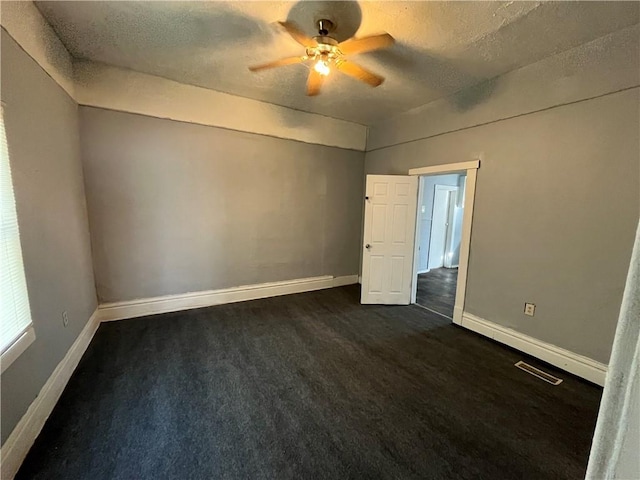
[15,314]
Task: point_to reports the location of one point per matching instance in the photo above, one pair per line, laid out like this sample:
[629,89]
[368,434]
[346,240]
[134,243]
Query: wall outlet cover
[529,309]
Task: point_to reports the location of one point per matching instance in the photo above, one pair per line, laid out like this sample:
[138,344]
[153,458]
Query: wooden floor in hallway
[437,290]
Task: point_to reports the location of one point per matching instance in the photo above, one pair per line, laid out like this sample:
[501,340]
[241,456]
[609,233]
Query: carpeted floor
[310,386]
[437,290]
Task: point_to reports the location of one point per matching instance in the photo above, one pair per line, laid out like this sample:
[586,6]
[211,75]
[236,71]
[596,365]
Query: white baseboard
[17,446]
[173,303]
[574,363]
[345,280]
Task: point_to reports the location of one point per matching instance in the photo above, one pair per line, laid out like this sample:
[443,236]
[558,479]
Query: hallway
[437,290]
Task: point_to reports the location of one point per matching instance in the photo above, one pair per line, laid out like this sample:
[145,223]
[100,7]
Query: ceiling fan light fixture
[325,53]
[322,67]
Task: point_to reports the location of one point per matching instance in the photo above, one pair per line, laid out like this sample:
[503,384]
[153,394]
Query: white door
[443,201]
[389,235]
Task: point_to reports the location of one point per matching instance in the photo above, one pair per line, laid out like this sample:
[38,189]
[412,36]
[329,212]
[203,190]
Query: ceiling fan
[325,53]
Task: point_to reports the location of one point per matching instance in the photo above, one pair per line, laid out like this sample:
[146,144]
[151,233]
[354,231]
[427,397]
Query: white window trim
[25,337]
[16,349]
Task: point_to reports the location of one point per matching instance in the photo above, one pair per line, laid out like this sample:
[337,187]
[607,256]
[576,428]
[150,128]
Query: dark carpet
[310,386]
[437,290]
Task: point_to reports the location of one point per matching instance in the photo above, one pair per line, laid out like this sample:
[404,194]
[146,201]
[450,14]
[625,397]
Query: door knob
[367,246]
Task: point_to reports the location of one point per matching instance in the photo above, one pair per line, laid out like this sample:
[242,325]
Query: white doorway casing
[471,169]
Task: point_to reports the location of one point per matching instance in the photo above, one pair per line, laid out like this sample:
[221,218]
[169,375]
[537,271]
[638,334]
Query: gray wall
[176,207]
[42,132]
[606,64]
[555,215]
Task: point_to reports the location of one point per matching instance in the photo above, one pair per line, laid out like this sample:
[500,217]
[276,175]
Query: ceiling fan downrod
[325,27]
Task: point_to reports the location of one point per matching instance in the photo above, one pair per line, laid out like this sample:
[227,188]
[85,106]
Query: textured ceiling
[441,46]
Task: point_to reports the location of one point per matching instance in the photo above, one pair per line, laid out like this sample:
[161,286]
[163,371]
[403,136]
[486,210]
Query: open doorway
[438,237]
[467,193]
[391,234]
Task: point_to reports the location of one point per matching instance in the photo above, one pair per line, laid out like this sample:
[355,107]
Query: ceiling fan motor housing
[326,48]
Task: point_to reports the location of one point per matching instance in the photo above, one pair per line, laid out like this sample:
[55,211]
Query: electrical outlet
[65,318]
[529,309]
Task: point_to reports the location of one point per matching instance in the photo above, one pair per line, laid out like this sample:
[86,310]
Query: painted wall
[426,209]
[115,88]
[605,65]
[42,132]
[176,207]
[22,20]
[557,193]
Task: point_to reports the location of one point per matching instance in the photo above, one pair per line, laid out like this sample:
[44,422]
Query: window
[16,329]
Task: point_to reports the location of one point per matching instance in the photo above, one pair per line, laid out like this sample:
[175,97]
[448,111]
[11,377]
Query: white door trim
[471,169]
[446,168]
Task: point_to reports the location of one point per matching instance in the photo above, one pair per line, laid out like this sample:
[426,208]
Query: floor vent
[538,373]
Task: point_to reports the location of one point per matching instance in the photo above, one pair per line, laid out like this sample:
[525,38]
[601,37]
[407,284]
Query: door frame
[471,169]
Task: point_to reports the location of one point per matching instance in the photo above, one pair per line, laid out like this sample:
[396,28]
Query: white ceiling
[441,46]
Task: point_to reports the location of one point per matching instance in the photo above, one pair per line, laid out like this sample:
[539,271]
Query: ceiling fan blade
[277,63]
[298,35]
[366,44]
[356,71]
[314,82]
